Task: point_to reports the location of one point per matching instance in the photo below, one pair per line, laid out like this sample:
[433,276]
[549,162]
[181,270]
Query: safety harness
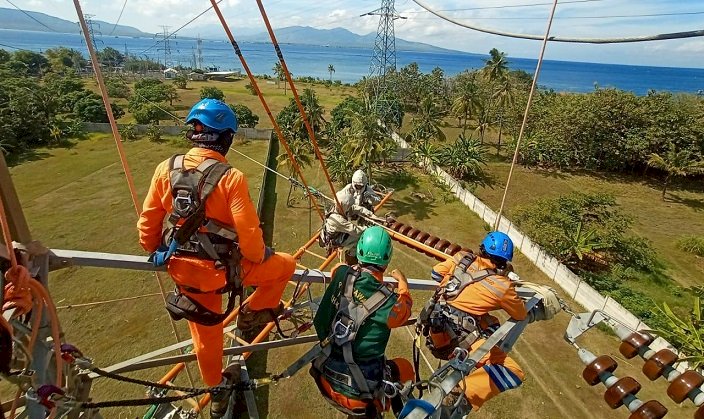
[198,236]
[439,317]
[349,318]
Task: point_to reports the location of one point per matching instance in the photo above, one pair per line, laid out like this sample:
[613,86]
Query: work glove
[163,254]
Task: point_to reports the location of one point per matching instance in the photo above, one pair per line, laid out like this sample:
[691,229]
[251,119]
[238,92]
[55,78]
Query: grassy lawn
[235,92]
[77,198]
[661,222]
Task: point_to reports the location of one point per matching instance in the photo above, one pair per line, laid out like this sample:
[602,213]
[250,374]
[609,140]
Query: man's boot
[251,322]
[220,400]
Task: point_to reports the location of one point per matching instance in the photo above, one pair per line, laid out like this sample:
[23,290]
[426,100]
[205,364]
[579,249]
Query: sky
[421,26]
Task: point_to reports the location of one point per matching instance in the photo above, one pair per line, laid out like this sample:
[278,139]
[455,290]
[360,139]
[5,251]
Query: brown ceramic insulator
[681,386]
[615,394]
[422,236]
[635,341]
[602,364]
[453,248]
[412,233]
[396,225]
[699,414]
[431,240]
[652,409]
[441,244]
[656,365]
[405,229]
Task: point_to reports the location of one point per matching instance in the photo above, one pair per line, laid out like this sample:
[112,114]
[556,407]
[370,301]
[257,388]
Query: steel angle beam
[120,366]
[318,277]
[59,258]
[64,258]
[136,365]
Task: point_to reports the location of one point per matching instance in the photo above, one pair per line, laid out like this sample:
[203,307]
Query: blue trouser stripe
[504,378]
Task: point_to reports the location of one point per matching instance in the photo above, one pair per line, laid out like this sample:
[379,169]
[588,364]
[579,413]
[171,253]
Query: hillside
[17,20]
[337,37]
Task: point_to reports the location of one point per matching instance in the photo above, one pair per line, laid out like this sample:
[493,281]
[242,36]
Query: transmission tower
[166,45]
[199,50]
[91,25]
[383,62]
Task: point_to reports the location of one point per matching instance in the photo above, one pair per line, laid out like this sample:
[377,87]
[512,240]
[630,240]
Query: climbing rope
[255,86]
[301,109]
[525,114]
[120,148]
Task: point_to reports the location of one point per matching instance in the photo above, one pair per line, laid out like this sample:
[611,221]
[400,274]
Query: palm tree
[503,95]
[466,104]
[429,122]
[331,69]
[464,158]
[301,150]
[365,141]
[496,67]
[280,75]
[314,112]
[676,163]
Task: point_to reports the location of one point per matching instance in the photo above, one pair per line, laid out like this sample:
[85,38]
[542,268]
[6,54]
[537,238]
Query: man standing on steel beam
[212,244]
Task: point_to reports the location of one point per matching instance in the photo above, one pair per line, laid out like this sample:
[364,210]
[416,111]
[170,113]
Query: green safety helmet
[374,247]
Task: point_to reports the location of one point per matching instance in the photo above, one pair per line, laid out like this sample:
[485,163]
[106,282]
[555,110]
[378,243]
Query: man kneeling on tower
[354,324]
[343,226]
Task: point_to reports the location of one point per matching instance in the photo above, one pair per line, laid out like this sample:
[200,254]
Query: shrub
[245,117]
[210,92]
[129,132]
[154,133]
[250,88]
[691,244]
[586,232]
[181,82]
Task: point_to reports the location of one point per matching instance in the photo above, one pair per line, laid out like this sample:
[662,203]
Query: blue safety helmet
[214,114]
[499,245]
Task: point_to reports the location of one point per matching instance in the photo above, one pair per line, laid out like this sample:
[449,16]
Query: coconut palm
[314,111]
[466,104]
[464,158]
[429,121]
[503,97]
[301,150]
[365,141]
[496,67]
[331,69]
[676,163]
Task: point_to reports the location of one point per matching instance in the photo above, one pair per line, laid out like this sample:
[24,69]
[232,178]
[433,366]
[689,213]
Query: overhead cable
[657,37]
[177,30]
[118,18]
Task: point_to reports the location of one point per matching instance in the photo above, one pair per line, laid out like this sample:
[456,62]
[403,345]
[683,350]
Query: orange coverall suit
[399,314]
[496,372]
[231,205]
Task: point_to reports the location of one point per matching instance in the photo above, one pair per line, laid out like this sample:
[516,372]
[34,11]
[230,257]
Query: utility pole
[383,63]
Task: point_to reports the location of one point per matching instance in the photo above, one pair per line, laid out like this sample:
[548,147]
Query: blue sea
[351,64]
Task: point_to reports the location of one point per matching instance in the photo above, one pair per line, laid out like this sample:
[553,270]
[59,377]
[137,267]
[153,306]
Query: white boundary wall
[571,284]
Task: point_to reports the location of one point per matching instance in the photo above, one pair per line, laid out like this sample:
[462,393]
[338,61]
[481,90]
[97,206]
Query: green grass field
[76,198]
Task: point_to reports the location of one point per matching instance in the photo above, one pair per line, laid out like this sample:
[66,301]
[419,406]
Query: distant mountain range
[305,35]
[15,19]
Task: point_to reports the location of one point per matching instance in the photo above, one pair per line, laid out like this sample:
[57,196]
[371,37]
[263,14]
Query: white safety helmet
[359,179]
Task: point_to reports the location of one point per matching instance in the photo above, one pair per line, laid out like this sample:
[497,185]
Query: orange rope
[108,106]
[311,133]
[255,86]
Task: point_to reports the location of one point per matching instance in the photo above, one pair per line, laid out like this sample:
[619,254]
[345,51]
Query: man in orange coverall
[230,225]
[487,288]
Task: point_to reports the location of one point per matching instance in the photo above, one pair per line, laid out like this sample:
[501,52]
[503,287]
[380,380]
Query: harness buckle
[183,202]
[460,354]
[341,330]
[390,388]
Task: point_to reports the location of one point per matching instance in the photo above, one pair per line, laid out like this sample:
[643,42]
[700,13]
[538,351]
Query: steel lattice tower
[383,62]
[91,29]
